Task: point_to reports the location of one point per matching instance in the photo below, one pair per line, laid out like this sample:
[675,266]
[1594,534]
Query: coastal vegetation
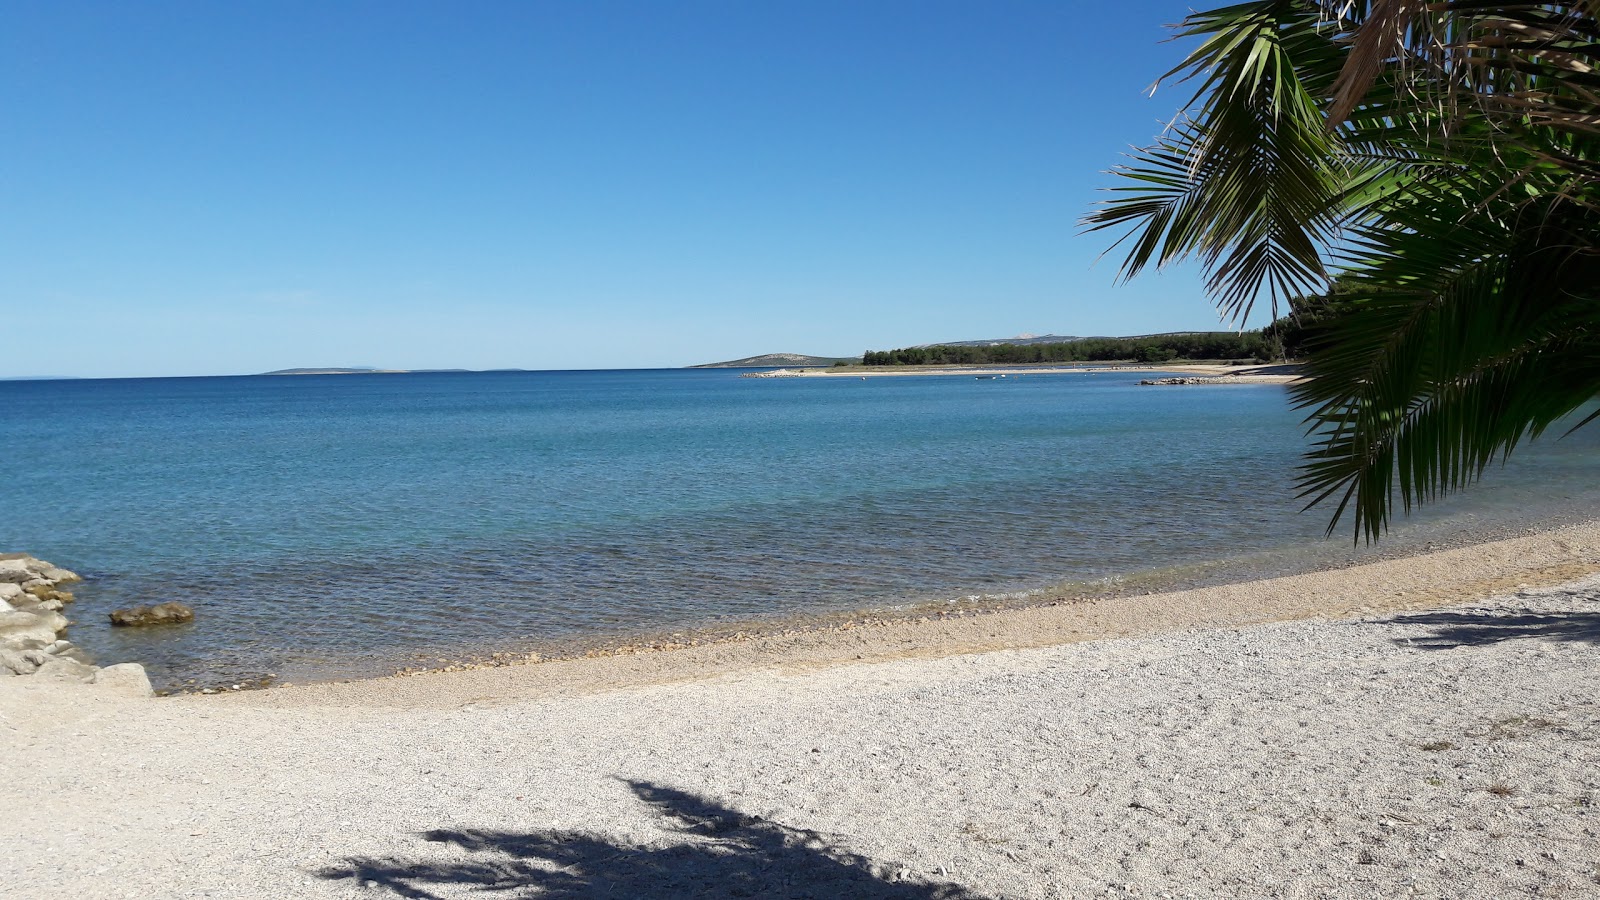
[1209,345]
[1431,171]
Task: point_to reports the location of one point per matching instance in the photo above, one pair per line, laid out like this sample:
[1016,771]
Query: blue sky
[209,188]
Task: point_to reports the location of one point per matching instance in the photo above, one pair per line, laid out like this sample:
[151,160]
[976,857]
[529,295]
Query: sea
[330,527]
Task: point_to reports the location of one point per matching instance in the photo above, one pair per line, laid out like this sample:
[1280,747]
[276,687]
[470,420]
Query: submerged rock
[168,613]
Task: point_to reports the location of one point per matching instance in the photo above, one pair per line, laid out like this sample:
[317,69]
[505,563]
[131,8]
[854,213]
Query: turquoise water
[328,526]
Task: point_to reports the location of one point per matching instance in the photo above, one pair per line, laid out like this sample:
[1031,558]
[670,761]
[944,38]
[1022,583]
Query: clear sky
[214,188]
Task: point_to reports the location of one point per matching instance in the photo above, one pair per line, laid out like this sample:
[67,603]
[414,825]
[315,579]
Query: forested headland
[1251,346]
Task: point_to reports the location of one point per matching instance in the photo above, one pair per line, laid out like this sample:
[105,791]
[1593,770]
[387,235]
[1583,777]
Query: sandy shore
[1273,374]
[1425,726]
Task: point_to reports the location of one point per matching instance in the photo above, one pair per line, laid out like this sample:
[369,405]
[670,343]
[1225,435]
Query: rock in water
[1187,379]
[47,592]
[59,575]
[168,613]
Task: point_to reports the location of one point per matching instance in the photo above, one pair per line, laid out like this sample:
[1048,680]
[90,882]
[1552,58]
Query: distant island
[335,371]
[790,360]
[371,371]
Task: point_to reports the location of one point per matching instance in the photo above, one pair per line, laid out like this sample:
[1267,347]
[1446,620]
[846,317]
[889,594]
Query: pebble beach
[1413,727]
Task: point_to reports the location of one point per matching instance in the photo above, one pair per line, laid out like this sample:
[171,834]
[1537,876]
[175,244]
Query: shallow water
[333,525]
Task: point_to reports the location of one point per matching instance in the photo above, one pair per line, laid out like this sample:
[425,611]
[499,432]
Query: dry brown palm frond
[1475,58]
[1380,39]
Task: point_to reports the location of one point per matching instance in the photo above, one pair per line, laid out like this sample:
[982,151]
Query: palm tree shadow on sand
[1474,628]
[725,854]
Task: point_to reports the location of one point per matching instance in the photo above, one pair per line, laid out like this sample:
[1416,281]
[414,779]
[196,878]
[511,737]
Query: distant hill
[790,360]
[1019,339]
[1026,339]
[368,371]
[335,371]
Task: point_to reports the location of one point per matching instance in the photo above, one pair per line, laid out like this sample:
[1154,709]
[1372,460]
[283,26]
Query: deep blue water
[331,525]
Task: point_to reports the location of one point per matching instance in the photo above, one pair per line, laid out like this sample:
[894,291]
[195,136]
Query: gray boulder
[63,669]
[70,651]
[45,590]
[58,575]
[16,571]
[12,662]
[128,679]
[38,627]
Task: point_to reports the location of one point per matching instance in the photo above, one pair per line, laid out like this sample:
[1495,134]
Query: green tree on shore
[1208,345]
[1441,160]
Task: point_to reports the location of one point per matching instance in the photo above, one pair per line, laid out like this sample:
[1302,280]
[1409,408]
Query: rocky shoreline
[1185,380]
[33,629]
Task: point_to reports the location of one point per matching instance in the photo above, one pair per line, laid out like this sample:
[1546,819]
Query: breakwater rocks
[775,373]
[1188,379]
[32,629]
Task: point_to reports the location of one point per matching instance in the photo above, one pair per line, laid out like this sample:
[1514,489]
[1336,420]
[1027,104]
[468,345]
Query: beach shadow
[724,854]
[1476,629]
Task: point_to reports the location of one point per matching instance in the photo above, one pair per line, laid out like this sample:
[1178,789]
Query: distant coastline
[1281,373]
[366,371]
[334,371]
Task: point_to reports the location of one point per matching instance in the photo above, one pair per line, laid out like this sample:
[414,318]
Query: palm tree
[1441,162]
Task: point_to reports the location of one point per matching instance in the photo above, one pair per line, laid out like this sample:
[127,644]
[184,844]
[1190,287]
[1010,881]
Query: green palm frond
[1247,181]
[1440,163]
[1451,346]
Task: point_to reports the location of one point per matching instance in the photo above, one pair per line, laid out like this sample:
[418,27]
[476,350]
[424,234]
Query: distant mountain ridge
[1019,339]
[362,370]
[792,360]
[336,371]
